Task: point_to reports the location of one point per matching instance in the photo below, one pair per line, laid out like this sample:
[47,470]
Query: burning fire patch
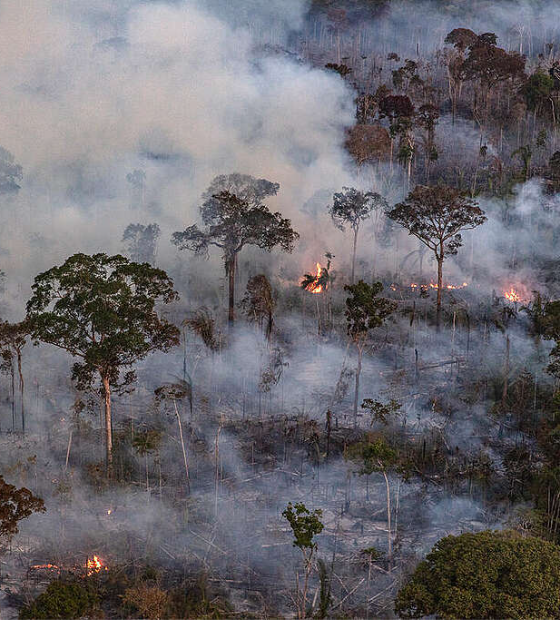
[512,295]
[315,285]
[94,565]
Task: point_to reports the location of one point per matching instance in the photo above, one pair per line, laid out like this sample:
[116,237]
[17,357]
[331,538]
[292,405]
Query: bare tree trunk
[506,375]
[217,470]
[13,391]
[354,255]
[185,461]
[108,427]
[390,533]
[230,268]
[357,387]
[439,290]
[21,391]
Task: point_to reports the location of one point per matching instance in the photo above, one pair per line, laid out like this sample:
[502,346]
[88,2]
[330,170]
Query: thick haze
[95,90]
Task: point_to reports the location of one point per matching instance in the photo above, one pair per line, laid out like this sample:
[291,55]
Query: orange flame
[449,287]
[512,295]
[44,566]
[314,287]
[94,565]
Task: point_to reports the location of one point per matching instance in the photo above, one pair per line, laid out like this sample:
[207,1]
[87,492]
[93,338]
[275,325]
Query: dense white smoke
[95,90]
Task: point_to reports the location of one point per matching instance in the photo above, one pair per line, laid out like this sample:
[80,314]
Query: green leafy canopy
[102,309]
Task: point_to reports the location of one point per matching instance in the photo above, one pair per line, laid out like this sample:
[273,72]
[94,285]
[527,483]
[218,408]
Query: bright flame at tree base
[314,287]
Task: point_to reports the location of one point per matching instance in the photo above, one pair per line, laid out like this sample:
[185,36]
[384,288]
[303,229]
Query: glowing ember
[432,284]
[449,287]
[94,565]
[512,295]
[314,286]
[44,566]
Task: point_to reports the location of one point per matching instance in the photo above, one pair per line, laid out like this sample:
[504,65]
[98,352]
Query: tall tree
[490,65]
[231,223]
[244,186]
[142,242]
[399,109]
[461,39]
[351,207]
[436,215]
[102,310]
[13,338]
[365,311]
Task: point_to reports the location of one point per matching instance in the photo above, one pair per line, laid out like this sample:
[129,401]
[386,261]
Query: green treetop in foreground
[485,575]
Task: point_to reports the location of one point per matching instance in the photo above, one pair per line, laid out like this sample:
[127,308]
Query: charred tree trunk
[13,393]
[21,391]
[439,288]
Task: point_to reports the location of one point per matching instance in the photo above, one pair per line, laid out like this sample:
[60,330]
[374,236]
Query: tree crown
[231,223]
[102,309]
[364,310]
[351,206]
[436,214]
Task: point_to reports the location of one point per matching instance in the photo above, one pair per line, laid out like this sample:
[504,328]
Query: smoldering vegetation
[115,119]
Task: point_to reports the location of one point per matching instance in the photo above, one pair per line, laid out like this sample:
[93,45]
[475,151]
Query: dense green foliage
[304,523]
[15,505]
[485,575]
[61,600]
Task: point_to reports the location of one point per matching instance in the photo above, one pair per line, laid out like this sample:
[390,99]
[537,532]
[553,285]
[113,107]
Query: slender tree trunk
[439,289]
[390,533]
[185,460]
[354,254]
[108,427]
[357,386]
[13,391]
[231,265]
[506,375]
[147,474]
[21,391]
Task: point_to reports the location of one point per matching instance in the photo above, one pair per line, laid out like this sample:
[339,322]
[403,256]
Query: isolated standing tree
[231,223]
[365,311]
[377,455]
[102,310]
[351,207]
[436,215]
[305,526]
